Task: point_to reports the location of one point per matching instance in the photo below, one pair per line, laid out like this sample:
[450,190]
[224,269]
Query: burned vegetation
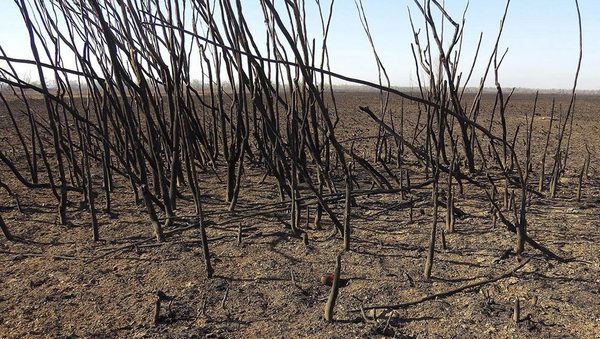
[262,200]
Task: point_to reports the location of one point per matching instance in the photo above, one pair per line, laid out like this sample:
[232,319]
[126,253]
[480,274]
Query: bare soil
[56,282]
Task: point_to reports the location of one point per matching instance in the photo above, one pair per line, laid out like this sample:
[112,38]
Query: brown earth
[56,282]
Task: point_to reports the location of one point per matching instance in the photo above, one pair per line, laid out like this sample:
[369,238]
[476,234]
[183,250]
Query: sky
[541,35]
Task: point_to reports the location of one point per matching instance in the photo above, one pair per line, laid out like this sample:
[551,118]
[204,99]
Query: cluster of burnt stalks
[123,104]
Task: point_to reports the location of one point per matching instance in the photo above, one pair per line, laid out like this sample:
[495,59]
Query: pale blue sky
[542,37]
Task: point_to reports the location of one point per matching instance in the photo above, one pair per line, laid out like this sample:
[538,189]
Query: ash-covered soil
[56,282]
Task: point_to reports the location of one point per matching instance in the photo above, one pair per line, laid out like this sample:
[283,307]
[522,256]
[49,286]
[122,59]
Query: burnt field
[174,170]
[267,280]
